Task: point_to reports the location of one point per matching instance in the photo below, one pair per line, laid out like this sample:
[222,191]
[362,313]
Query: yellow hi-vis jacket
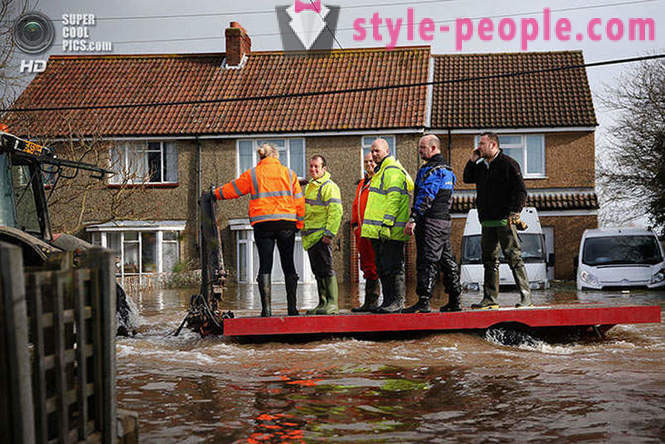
[387,210]
[323,210]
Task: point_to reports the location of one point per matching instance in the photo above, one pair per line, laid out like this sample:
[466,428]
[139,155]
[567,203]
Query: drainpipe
[450,147]
[198,191]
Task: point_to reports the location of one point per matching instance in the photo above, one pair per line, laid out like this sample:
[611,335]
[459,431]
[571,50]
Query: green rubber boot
[321,288]
[332,296]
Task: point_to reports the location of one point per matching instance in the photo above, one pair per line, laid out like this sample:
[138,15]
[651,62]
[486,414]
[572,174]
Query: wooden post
[15,347]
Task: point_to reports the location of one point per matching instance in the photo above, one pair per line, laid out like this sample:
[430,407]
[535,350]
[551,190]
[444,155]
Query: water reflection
[430,388]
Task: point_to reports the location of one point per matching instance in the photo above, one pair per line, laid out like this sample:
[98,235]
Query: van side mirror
[550,260]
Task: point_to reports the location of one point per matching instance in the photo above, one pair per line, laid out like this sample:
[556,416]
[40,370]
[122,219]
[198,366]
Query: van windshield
[533,248]
[625,250]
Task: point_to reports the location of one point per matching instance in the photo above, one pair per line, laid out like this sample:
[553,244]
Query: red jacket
[360,202]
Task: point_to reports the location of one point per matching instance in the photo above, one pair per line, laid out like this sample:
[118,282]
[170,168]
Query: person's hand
[408,229]
[326,240]
[475,155]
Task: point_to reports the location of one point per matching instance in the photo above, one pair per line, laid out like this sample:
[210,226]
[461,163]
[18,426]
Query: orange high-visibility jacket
[274,190]
[360,202]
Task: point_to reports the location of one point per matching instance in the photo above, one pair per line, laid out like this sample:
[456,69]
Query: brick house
[201,134]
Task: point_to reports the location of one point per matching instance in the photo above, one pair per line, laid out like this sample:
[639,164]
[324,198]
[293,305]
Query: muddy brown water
[466,387]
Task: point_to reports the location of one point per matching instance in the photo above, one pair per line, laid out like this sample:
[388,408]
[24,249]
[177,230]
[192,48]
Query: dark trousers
[320,259]
[506,237]
[389,256]
[435,253]
[265,243]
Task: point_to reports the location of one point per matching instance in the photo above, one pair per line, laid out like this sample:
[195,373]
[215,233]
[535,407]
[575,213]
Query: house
[173,125]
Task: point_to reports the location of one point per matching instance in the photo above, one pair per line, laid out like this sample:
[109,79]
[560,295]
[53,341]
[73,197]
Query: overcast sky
[176,26]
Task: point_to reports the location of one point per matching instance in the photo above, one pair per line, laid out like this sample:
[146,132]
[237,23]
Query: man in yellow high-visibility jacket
[386,216]
[323,214]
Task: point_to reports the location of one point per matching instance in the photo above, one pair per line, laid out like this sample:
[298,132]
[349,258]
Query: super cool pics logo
[307,25]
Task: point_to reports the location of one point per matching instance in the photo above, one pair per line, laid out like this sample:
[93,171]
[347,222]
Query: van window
[621,250]
[533,248]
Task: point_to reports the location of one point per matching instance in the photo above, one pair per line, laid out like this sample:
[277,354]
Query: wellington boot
[486,304]
[321,287]
[265,292]
[388,293]
[332,296]
[371,297]
[422,306]
[291,284]
[398,293]
[453,304]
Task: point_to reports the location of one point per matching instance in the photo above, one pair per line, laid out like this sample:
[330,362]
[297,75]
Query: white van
[615,258]
[532,241]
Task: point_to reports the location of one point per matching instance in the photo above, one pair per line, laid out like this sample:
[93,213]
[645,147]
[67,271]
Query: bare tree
[632,175]
[12,81]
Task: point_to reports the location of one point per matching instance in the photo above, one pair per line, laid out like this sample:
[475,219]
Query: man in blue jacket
[430,221]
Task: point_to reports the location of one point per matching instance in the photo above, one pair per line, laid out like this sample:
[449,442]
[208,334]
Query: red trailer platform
[583,315]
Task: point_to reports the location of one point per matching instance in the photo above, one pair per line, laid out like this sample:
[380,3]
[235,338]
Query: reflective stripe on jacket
[323,210]
[275,193]
[388,203]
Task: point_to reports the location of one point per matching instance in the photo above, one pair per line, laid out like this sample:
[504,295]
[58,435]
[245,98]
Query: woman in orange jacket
[276,213]
[367,263]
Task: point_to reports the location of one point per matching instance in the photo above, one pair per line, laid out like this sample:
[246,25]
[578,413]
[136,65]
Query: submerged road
[466,387]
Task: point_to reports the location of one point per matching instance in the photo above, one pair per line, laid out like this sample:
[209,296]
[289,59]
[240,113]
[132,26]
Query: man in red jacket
[367,264]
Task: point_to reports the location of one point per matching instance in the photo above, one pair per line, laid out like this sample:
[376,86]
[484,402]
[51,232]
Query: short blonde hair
[267,150]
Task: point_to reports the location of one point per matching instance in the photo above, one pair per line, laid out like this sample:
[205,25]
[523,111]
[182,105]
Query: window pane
[170,235]
[515,153]
[297,152]
[155,166]
[368,140]
[242,262]
[131,236]
[116,162]
[137,167]
[283,157]
[280,144]
[113,242]
[131,264]
[510,140]
[169,256]
[245,155]
[149,252]
[535,158]
[96,238]
[171,162]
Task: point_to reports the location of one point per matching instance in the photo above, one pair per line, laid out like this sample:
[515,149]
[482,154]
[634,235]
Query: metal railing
[58,343]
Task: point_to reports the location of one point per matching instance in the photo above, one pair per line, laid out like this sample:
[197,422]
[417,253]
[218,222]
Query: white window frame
[287,148]
[525,173]
[101,234]
[364,146]
[139,146]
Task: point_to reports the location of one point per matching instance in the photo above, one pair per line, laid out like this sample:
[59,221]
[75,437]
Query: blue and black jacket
[433,190]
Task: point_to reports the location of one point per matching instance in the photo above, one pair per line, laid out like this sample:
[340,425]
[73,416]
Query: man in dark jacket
[501,194]
[430,220]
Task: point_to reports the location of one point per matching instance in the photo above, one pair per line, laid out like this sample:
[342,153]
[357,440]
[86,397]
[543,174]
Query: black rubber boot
[388,293]
[522,281]
[265,292]
[422,306]
[371,297]
[291,284]
[398,293]
[453,303]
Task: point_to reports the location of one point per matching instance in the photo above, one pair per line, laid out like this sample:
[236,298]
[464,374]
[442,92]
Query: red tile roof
[543,201]
[541,100]
[108,80]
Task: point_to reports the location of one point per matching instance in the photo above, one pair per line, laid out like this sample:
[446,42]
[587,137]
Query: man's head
[380,150]
[317,166]
[369,164]
[429,146]
[488,146]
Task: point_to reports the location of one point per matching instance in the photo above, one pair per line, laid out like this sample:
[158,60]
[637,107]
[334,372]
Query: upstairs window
[527,149]
[366,144]
[291,154]
[144,163]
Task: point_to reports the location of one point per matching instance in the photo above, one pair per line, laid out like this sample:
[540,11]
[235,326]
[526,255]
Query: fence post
[102,260]
[19,420]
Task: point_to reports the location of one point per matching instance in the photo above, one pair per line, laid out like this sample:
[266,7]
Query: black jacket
[500,188]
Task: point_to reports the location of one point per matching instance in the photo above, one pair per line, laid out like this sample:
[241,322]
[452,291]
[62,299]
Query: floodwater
[430,388]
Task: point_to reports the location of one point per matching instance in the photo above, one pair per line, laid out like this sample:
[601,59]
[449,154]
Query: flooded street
[429,388]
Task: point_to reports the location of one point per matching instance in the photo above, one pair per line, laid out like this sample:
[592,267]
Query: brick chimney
[238,44]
